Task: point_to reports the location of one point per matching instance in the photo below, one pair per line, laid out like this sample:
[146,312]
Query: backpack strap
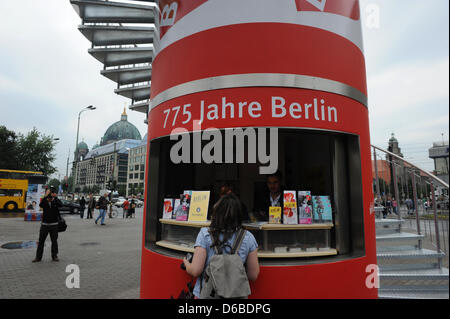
[215,247]
[238,241]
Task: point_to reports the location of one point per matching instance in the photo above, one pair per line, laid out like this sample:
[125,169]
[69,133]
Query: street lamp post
[89,108]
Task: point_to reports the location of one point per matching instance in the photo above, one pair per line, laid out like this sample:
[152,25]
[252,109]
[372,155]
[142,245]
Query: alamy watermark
[73,279]
[372,279]
[228,147]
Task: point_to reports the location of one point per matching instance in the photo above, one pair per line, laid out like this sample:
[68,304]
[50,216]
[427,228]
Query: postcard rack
[274,240]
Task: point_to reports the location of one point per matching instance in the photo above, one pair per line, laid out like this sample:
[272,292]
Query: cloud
[47,77]
[407,86]
[9,85]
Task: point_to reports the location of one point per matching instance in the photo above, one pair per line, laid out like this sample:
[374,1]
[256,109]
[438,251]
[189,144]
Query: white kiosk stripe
[259,80]
[218,13]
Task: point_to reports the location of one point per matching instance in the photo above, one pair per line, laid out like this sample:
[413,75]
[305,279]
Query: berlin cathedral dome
[120,130]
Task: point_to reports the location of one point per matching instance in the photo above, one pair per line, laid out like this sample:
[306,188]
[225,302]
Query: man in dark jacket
[132,208]
[91,206]
[103,207]
[49,225]
[273,198]
[82,206]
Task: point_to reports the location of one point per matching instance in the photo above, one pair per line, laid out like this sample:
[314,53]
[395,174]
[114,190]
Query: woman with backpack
[225,238]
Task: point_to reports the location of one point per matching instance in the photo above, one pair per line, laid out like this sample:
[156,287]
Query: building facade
[106,165]
[136,168]
[439,153]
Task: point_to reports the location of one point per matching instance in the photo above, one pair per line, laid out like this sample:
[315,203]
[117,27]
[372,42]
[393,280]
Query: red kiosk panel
[294,65]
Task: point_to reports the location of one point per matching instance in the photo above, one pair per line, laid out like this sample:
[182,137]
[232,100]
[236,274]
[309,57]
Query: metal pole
[377,183]
[443,233]
[436,226]
[112,179]
[416,206]
[407,182]
[76,155]
[67,171]
[113,168]
[431,234]
[396,188]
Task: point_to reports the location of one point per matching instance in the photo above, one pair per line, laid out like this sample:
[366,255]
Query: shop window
[325,163]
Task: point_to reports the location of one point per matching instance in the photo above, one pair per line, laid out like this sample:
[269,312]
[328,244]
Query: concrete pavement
[108,258]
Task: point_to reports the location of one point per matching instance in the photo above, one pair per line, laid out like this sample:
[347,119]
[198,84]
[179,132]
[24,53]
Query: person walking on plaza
[49,225]
[126,206]
[389,206]
[82,206]
[103,207]
[131,211]
[90,206]
[394,207]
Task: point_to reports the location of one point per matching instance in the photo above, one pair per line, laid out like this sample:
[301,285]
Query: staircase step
[122,56]
[398,236]
[109,12]
[137,93]
[409,254]
[410,266]
[117,35]
[124,76]
[395,294]
[426,274]
[388,221]
[384,249]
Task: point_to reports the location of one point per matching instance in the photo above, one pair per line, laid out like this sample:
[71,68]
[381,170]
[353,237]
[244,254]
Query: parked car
[119,202]
[139,203]
[70,207]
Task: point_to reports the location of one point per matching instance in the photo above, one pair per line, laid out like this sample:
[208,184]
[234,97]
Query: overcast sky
[47,76]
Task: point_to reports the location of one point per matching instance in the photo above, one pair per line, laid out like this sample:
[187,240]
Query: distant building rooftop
[122,147]
[439,149]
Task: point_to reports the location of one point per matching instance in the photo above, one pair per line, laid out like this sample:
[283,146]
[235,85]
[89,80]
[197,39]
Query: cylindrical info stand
[296,67]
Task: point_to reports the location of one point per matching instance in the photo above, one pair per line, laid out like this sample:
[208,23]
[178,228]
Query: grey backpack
[225,275]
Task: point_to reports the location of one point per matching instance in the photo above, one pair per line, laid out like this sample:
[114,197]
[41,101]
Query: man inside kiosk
[274,198]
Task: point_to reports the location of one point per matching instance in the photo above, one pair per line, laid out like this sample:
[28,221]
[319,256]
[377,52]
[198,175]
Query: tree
[122,190]
[8,149]
[67,184]
[35,151]
[95,189]
[54,182]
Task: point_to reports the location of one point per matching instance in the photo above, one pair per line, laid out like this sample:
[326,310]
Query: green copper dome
[82,146]
[121,130]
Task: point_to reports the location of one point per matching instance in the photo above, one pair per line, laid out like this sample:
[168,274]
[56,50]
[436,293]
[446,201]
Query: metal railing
[410,192]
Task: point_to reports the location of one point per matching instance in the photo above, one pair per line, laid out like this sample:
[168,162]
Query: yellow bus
[14,186]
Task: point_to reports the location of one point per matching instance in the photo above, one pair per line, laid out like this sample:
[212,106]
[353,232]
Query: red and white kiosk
[294,65]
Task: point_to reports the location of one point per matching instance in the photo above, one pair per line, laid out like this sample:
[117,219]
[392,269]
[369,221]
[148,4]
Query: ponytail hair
[226,219]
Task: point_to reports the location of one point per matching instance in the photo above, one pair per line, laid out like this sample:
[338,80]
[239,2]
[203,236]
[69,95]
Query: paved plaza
[108,258]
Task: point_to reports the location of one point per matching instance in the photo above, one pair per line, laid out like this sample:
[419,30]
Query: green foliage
[31,152]
[35,151]
[95,189]
[67,185]
[54,182]
[122,190]
[8,149]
